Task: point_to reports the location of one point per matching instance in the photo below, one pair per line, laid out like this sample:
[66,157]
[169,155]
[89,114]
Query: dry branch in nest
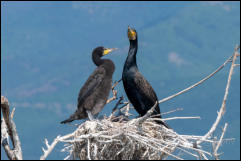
[137,139]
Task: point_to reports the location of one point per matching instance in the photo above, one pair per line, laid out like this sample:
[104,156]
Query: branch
[88,149]
[8,128]
[175,118]
[5,112]
[222,109]
[114,92]
[177,109]
[116,106]
[4,141]
[198,83]
[51,147]
[147,115]
[215,153]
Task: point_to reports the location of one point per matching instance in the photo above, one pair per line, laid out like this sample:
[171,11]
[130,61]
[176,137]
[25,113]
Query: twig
[222,109]
[198,83]
[175,118]
[178,109]
[215,153]
[115,84]
[88,149]
[114,97]
[119,102]
[147,115]
[116,106]
[51,147]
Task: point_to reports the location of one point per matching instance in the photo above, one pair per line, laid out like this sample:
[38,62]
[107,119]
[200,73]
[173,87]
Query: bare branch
[222,109]
[88,149]
[198,83]
[51,147]
[215,153]
[147,115]
[175,118]
[5,112]
[4,141]
[114,92]
[178,109]
[9,128]
[116,106]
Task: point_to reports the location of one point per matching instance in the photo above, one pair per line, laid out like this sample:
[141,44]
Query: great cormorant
[94,94]
[139,92]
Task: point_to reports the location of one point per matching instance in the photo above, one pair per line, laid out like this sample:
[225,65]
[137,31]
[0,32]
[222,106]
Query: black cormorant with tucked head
[94,94]
[139,92]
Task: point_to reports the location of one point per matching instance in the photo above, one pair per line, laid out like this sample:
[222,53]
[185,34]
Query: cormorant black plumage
[94,93]
[139,92]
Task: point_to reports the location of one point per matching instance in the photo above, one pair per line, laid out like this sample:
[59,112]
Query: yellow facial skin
[131,34]
[108,50]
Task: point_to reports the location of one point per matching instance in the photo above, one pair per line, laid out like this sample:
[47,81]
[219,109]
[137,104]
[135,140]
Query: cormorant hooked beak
[131,33]
[108,50]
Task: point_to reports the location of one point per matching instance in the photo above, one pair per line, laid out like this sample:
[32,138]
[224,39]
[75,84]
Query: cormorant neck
[106,63]
[134,44]
[131,58]
[97,59]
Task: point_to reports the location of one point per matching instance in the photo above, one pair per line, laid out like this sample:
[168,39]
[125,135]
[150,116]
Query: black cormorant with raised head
[94,94]
[139,92]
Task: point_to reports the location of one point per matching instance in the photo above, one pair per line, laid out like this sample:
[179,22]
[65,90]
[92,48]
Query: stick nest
[140,138]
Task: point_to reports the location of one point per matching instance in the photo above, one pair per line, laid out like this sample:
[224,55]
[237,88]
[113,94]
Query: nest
[119,140]
[115,138]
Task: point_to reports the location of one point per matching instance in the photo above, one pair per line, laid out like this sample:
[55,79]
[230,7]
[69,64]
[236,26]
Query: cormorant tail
[163,123]
[67,120]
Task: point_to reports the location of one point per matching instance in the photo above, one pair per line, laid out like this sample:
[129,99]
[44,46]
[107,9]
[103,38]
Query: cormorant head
[101,51]
[132,35]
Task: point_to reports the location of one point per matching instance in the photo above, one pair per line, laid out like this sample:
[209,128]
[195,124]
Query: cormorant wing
[147,94]
[91,84]
[144,86]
